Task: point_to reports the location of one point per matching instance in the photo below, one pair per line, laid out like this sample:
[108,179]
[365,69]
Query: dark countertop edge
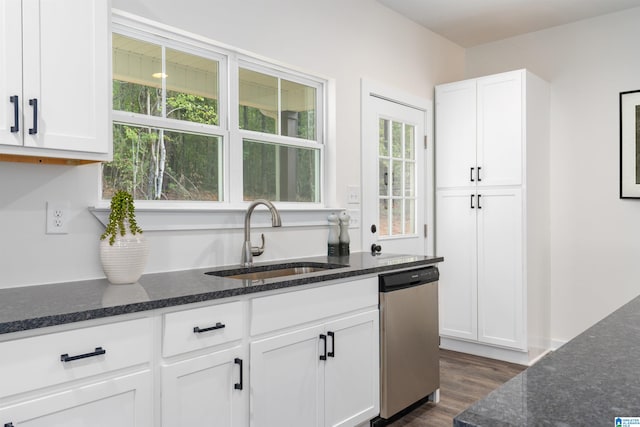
[79,316]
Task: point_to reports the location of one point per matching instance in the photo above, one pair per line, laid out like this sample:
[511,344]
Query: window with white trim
[196,122]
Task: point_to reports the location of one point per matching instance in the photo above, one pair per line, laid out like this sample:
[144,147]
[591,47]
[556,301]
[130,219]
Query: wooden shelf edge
[45,160]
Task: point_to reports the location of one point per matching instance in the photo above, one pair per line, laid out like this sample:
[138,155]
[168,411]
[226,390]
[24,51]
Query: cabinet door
[352,370]
[11,75]
[456,134]
[456,242]
[500,287]
[202,391]
[500,129]
[286,380]
[124,402]
[66,68]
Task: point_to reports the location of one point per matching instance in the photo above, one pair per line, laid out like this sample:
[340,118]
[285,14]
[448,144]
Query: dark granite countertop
[589,381]
[32,307]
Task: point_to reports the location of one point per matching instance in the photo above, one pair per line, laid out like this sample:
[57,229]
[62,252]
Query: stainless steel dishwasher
[409,341]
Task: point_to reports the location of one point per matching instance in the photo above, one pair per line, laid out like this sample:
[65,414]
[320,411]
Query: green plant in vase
[123,248]
[123,213]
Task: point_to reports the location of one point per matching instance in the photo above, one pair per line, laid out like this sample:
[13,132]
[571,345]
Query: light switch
[353,194]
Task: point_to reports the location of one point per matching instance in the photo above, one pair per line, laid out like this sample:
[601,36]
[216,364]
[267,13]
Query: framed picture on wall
[630,144]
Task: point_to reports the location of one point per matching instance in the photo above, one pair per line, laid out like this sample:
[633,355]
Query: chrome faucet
[249,251]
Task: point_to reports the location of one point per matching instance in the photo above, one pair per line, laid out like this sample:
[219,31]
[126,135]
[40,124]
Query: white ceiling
[473,22]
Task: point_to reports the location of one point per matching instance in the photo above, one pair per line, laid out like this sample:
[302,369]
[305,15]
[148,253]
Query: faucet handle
[258,250]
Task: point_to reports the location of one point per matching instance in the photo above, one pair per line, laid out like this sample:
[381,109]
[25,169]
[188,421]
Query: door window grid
[397,178]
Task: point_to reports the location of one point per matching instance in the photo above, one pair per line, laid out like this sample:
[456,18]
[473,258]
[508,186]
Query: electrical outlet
[57,217]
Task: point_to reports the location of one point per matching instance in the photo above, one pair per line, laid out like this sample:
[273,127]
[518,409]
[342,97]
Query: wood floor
[463,380]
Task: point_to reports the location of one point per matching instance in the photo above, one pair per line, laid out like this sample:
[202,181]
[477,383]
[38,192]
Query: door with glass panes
[394,186]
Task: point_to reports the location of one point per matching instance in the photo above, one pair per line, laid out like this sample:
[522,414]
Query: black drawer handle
[472,207]
[471,174]
[16,126]
[238,386]
[34,103]
[332,353]
[218,325]
[323,356]
[66,358]
[478,174]
[479,195]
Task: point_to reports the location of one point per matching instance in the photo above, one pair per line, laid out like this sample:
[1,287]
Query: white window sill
[199,217]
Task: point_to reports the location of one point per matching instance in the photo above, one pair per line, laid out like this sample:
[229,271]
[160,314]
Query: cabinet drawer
[283,310]
[32,363]
[199,328]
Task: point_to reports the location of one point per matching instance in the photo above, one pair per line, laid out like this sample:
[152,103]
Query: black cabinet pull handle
[218,325]
[478,174]
[238,386]
[66,358]
[472,207]
[471,174]
[323,356]
[34,103]
[332,353]
[16,122]
[479,195]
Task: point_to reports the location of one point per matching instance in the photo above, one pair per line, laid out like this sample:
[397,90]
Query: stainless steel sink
[275,270]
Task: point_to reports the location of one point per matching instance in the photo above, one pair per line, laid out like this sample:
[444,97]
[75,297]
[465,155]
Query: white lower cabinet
[124,401]
[205,390]
[89,376]
[324,375]
[481,285]
[302,358]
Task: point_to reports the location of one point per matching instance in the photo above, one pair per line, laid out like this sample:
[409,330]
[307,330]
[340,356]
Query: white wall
[344,40]
[595,236]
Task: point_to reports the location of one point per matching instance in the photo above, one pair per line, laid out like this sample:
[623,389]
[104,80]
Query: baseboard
[513,356]
[556,344]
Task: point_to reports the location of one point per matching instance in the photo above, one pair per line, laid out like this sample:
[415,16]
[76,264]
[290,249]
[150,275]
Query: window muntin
[279,172]
[274,105]
[137,71]
[396,178]
[161,164]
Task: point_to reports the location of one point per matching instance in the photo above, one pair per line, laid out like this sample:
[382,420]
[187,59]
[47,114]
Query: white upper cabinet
[479,129]
[11,72]
[499,129]
[55,95]
[456,124]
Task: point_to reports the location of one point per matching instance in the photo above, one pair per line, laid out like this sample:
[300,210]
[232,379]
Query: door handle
[238,386]
[16,123]
[478,174]
[472,207]
[34,103]
[323,356]
[471,174]
[479,195]
[332,353]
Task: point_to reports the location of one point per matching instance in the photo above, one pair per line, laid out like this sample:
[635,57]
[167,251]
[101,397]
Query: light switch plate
[354,221]
[353,194]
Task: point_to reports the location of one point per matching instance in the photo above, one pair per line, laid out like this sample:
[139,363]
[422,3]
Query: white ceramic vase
[124,261]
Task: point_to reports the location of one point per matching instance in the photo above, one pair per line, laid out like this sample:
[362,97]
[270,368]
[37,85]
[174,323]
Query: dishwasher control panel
[408,278]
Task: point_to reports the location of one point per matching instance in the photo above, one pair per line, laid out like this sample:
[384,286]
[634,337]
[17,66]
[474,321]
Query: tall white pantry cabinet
[492,215]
